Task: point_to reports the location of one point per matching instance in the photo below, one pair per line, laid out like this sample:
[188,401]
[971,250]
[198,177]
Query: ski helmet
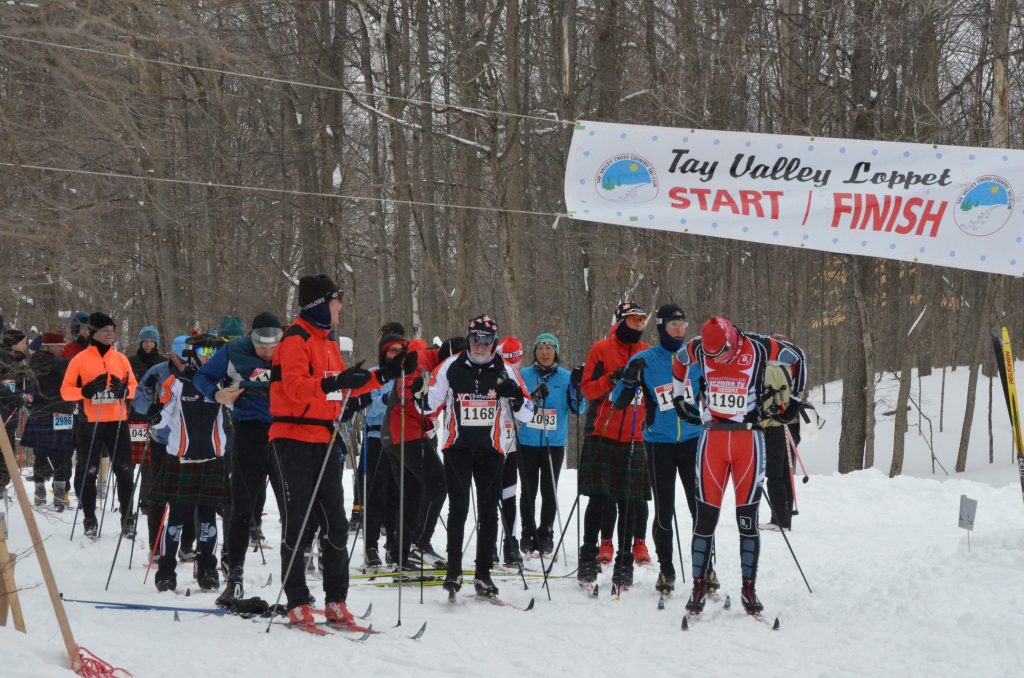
[628,308]
[482,330]
[720,339]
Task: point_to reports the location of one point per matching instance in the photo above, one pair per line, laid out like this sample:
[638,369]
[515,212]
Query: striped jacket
[193,423]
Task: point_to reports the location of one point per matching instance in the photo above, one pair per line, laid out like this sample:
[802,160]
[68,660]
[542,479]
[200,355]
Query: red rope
[88,665]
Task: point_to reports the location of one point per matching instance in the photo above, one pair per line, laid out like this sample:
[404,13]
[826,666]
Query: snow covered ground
[896,591]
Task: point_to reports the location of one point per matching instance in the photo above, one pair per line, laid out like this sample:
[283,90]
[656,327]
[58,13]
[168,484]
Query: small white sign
[968,507]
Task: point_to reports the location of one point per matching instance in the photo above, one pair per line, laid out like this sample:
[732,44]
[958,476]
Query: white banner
[945,205]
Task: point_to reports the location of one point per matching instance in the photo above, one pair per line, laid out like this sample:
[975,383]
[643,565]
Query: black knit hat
[99,320]
[668,312]
[316,289]
[12,337]
[265,319]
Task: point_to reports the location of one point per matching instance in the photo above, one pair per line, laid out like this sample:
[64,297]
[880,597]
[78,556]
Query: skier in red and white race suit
[732,444]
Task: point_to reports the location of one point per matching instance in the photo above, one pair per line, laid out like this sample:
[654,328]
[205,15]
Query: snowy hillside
[896,591]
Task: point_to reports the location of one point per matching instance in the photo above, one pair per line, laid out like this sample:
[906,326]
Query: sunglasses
[482,338]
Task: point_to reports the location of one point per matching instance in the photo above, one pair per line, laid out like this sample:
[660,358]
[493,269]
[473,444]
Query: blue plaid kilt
[39,433]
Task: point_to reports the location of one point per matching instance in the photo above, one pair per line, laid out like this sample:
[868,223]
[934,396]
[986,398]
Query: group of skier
[227,412]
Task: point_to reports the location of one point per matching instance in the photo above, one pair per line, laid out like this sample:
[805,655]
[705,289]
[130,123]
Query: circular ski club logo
[984,206]
[626,178]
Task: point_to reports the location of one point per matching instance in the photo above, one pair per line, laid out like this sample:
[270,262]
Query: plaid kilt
[607,471]
[39,433]
[203,484]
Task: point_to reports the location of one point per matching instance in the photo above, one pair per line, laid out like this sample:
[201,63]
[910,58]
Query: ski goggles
[205,351]
[266,336]
[482,337]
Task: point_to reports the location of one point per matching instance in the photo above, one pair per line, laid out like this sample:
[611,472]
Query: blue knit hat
[178,346]
[230,327]
[545,338]
[149,333]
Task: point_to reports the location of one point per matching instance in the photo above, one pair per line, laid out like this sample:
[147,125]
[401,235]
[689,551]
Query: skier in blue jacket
[671,441]
[542,441]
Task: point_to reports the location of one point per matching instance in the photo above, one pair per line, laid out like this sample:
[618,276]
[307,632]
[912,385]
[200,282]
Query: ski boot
[511,552]
[713,583]
[666,580]
[622,574]
[166,581]
[699,596]
[233,591]
[452,584]
[208,579]
[749,597]
[337,613]
[90,528]
[128,526]
[373,557]
[483,585]
[606,553]
[301,616]
[546,543]
[60,496]
[586,574]
[255,540]
[40,498]
[431,558]
[356,520]
[640,553]
[528,545]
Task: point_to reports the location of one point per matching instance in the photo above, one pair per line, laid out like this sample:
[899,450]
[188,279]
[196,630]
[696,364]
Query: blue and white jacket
[552,412]
[236,365]
[663,424]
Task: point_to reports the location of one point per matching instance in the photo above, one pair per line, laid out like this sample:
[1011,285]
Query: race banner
[945,205]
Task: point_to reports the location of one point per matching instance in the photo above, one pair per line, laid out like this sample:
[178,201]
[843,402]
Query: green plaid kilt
[606,470]
[204,484]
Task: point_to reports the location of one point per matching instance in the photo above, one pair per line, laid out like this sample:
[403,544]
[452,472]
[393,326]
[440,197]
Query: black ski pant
[665,462]
[251,467]
[298,465]
[460,467]
[541,467]
[111,441]
[178,517]
[424,493]
[509,486]
[380,503]
[52,462]
[779,475]
[596,515]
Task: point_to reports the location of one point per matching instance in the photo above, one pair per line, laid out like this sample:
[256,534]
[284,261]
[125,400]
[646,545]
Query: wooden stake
[8,589]
[40,551]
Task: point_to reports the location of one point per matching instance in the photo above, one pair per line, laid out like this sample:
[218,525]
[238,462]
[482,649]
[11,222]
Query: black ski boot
[749,597]
[511,552]
[622,573]
[666,579]
[528,544]
[699,596]
[233,591]
[588,569]
[432,560]
[452,584]
[90,527]
[208,579]
[166,581]
[373,557]
[546,543]
[40,493]
[483,585]
[128,526]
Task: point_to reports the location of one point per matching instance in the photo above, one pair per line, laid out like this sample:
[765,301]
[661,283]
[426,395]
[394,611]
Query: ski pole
[309,509]
[796,453]
[138,503]
[536,534]
[554,481]
[113,464]
[626,533]
[796,561]
[561,538]
[85,469]
[157,544]
[402,552]
[121,536]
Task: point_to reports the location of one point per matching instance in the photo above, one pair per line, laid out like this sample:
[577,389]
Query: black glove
[418,390]
[354,405]
[509,388]
[576,377]
[154,418]
[631,374]
[686,411]
[118,387]
[389,370]
[352,378]
[615,376]
[96,386]
[541,392]
[410,362]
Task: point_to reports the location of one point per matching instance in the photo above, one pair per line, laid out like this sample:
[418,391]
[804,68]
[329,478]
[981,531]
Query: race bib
[509,435]
[545,420]
[729,400]
[663,394]
[63,422]
[138,432]
[104,397]
[479,412]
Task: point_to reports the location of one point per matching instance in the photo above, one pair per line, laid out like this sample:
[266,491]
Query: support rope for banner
[552,117]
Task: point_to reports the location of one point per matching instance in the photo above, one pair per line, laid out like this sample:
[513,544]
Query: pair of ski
[692,617]
[493,600]
[1007,379]
[327,627]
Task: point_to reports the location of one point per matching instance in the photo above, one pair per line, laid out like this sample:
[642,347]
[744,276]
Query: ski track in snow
[896,592]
